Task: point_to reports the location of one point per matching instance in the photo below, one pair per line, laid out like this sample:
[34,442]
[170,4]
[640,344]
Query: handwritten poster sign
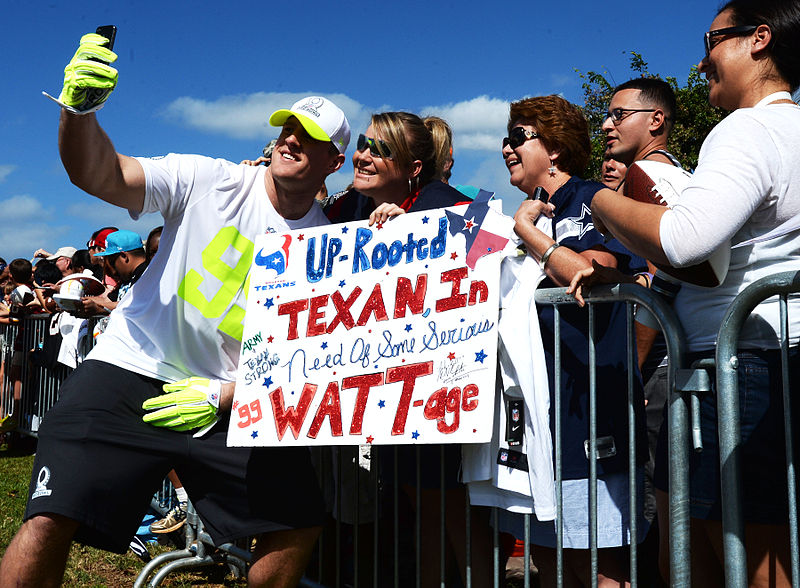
[384,334]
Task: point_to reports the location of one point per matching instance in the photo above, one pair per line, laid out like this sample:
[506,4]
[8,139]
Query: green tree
[694,118]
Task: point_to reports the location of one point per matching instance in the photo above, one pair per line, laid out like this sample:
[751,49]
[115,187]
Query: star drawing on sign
[341,283]
[480,356]
[425,220]
[269,303]
[270,339]
[324,345]
[300,237]
[453,255]
[415,435]
[370,439]
[451,356]
[408,328]
[379,226]
[381,403]
[469,224]
[344,230]
[267,382]
[254,434]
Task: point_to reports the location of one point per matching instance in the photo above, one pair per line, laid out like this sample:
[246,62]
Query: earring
[552,169]
[410,189]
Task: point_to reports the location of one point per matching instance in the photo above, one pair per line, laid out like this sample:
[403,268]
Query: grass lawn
[86,566]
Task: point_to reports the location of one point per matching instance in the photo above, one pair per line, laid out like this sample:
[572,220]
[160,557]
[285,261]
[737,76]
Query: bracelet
[648,277]
[546,255]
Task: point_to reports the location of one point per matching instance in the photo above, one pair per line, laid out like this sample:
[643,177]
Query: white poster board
[384,334]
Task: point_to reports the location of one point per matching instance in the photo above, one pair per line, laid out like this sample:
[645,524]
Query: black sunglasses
[377,147]
[518,136]
[738,31]
[617,114]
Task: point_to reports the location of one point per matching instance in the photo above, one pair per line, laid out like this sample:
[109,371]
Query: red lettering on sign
[407,374]
[246,413]
[363,383]
[374,305]
[414,299]
[478,292]
[456,299]
[292,417]
[343,309]
[292,309]
[331,407]
[314,315]
[467,402]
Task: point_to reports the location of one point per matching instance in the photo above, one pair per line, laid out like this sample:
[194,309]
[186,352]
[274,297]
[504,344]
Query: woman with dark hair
[547,147]
[746,190]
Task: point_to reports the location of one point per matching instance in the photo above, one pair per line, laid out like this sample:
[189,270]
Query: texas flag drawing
[486,230]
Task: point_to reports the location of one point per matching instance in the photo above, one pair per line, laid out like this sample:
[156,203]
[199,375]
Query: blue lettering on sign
[392,254]
[327,253]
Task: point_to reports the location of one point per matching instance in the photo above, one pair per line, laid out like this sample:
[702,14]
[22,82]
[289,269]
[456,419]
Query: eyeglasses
[737,31]
[377,147]
[518,136]
[618,114]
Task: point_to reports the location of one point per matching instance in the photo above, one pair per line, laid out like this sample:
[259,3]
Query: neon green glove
[88,83]
[191,403]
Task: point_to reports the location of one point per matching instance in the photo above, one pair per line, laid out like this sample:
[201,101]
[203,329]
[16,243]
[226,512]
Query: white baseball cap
[321,119]
[63,252]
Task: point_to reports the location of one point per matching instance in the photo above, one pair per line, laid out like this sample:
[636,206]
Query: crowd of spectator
[574,233]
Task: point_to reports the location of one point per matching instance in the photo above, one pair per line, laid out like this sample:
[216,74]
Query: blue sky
[203,77]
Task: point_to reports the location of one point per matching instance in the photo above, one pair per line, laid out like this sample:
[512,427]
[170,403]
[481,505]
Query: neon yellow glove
[88,83]
[189,404]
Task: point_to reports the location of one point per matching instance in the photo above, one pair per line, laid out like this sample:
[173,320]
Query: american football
[659,183]
[655,182]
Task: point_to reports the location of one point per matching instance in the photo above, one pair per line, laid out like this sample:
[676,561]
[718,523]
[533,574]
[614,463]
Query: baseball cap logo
[312,105]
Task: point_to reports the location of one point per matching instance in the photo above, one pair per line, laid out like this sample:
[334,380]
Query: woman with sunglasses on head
[746,191]
[547,147]
[395,171]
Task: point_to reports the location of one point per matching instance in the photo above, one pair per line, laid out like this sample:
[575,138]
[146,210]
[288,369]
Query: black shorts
[98,463]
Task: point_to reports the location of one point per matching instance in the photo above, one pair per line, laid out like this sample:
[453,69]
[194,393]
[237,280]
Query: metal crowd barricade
[678,426]
[781,284]
[355,552]
[339,547]
[39,384]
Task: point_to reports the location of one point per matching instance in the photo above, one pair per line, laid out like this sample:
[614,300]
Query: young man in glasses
[98,461]
[640,117]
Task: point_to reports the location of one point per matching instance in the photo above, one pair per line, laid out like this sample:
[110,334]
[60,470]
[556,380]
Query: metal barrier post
[729,430]
[678,413]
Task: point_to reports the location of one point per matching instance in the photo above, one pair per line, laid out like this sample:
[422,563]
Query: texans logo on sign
[276,260]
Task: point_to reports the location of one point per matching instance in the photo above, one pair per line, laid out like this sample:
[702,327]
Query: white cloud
[5,170]
[22,208]
[478,124]
[245,116]
[23,239]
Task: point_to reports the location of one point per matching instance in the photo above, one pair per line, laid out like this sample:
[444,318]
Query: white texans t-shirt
[185,315]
